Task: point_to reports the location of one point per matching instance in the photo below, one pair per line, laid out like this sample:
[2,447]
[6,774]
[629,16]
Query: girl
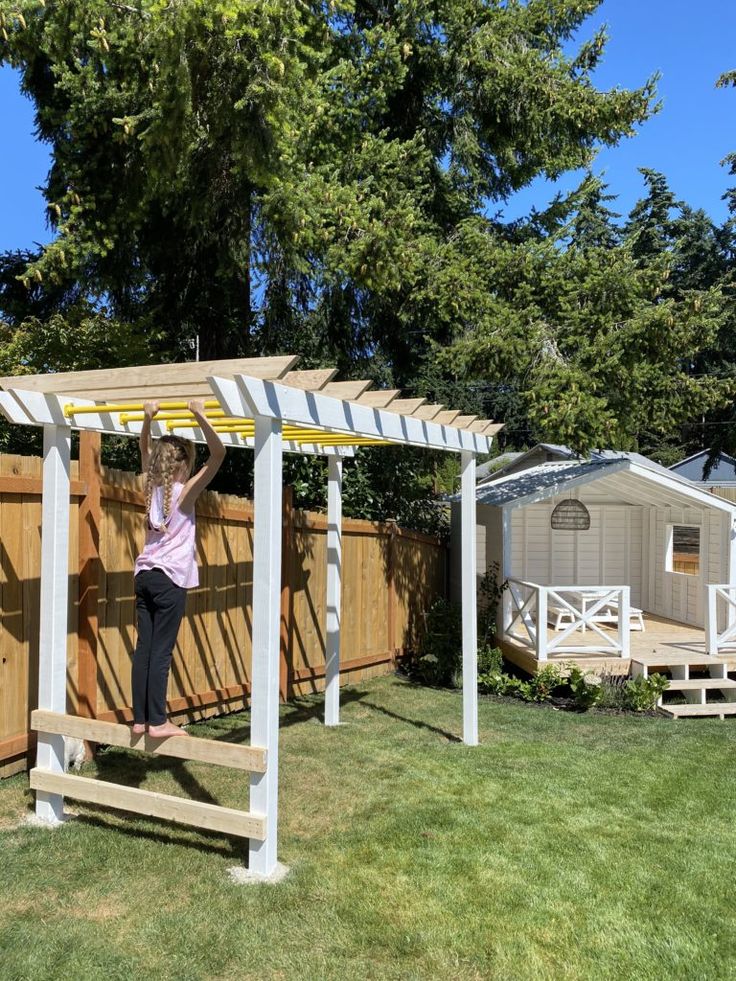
[166,567]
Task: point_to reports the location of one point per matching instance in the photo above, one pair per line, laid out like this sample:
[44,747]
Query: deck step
[695,684]
[661,659]
[712,709]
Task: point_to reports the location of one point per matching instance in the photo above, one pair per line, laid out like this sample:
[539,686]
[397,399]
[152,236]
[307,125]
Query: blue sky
[690,44]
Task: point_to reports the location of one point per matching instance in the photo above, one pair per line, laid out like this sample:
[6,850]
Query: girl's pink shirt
[170,547]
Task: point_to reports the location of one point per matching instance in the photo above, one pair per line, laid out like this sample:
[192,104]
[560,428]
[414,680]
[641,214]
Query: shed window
[683,553]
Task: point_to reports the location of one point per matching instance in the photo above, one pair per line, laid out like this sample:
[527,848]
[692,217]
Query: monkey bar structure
[262,404]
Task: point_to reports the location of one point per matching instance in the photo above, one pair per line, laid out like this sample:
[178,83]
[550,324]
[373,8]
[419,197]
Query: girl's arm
[145,442]
[196,484]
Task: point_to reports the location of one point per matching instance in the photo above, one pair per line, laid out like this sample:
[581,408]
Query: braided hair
[171,456]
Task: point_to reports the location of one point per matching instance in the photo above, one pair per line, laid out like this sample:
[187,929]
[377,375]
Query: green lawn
[565,846]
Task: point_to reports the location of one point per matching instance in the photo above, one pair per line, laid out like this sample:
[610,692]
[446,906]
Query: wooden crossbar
[152,804]
[251,758]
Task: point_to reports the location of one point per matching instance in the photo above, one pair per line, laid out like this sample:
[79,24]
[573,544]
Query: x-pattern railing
[528,605]
[720,641]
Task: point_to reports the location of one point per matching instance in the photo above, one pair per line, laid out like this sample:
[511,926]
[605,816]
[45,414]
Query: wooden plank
[391,598]
[447,417]
[150,803]
[368,660]
[428,411]
[464,421]
[710,709]
[148,377]
[90,520]
[250,758]
[311,381]
[346,389]
[11,484]
[287,592]
[380,398]
[17,745]
[406,407]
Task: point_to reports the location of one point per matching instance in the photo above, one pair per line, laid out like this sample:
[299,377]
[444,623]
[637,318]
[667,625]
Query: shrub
[439,657]
[540,686]
[586,693]
[438,660]
[491,678]
[613,691]
[642,694]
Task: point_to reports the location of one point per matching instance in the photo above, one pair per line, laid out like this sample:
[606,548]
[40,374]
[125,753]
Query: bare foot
[139,728]
[167,729]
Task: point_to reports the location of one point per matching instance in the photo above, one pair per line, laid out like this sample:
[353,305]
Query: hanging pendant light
[570,515]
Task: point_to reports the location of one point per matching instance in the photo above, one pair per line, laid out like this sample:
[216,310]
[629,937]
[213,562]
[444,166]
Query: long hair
[171,457]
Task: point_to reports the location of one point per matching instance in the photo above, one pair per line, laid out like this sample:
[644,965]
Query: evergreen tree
[202,147]
[593,224]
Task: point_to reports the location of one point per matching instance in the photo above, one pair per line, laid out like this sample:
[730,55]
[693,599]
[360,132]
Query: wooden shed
[649,547]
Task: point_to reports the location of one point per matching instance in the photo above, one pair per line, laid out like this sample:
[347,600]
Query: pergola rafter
[270,406]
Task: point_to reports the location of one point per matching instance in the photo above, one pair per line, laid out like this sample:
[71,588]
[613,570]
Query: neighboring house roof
[495,465]
[722,473]
[521,461]
[638,479]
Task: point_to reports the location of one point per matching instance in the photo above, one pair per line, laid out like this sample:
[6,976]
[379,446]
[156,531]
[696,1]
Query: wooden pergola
[266,405]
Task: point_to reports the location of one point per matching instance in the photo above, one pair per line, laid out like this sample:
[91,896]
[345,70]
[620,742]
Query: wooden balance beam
[250,758]
[150,803]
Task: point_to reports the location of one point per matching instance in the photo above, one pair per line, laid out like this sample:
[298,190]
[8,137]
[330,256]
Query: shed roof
[634,478]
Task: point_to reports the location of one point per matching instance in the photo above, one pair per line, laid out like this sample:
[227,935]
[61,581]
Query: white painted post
[267,493]
[54,600]
[624,621]
[469,600]
[507,611]
[334,590]
[711,620]
[542,623]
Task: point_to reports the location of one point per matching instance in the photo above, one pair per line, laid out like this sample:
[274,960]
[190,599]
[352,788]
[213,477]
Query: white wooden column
[334,592]
[469,533]
[54,606]
[507,568]
[267,494]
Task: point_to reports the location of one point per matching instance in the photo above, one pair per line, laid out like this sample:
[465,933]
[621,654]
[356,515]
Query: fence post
[391,591]
[90,519]
[287,594]
[541,623]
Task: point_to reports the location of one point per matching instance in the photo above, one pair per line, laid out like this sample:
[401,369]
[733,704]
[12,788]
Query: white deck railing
[528,606]
[720,605]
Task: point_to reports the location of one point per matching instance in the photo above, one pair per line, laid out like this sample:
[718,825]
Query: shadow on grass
[212,842]
[116,767]
[417,723]
[293,713]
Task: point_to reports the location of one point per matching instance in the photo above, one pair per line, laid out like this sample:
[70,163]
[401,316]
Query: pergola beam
[253,396]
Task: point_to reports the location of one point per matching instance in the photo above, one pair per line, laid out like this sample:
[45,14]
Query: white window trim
[669,549]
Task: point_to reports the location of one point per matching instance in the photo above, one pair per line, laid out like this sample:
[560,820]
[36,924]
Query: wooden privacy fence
[390,576]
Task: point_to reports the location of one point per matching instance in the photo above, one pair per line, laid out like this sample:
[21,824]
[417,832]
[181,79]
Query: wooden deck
[662,642]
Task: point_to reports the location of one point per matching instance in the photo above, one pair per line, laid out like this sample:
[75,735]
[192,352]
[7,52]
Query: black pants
[159,606]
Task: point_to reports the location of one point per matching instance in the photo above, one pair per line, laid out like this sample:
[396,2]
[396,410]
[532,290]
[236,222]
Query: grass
[565,846]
